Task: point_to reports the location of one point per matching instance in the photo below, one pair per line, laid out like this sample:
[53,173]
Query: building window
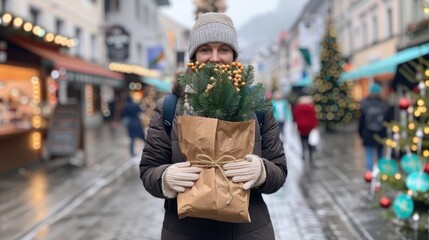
[34,15]
[350,38]
[78,36]
[356,39]
[137,8]
[93,47]
[146,16]
[59,26]
[4,5]
[374,29]
[139,54]
[364,35]
[417,11]
[389,23]
[111,6]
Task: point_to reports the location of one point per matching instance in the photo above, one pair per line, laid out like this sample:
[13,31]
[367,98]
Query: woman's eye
[204,50]
[225,49]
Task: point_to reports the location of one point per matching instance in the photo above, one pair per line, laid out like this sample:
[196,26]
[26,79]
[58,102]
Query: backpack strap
[169,109]
[261,118]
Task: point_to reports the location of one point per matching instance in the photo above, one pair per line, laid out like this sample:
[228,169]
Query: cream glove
[178,176]
[251,172]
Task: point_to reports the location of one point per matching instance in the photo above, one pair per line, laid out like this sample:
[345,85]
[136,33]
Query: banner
[156,57]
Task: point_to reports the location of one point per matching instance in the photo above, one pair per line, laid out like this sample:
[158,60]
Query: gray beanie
[213,27]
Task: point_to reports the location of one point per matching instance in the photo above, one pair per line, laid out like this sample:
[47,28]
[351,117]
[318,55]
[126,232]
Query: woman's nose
[214,58]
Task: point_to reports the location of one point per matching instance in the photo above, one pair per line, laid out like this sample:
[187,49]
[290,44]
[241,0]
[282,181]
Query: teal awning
[159,84]
[306,55]
[387,65]
[303,82]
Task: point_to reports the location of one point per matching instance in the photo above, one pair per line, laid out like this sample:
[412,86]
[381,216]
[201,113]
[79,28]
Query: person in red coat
[304,114]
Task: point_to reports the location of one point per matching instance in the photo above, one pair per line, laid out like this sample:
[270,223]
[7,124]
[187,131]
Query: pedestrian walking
[282,113]
[374,111]
[131,118]
[164,171]
[111,118]
[304,115]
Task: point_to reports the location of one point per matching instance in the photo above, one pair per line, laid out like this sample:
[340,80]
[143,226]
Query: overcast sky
[239,10]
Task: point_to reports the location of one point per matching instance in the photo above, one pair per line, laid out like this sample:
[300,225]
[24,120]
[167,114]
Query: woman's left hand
[251,172]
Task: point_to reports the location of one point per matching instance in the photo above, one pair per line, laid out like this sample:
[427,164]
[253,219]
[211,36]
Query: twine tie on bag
[205,161]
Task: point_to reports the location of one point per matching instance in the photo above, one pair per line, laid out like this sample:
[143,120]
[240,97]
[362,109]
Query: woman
[305,117]
[165,172]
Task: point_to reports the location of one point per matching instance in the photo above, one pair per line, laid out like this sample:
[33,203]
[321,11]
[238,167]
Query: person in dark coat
[374,111]
[165,172]
[304,114]
[131,117]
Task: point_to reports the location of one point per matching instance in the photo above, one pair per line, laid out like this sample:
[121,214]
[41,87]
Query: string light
[128,68]
[28,26]
[398,176]
[7,19]
[49,37]
[17,22]
[36,140]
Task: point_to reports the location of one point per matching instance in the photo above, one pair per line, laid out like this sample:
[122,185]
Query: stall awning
[387,65]
[159,84]
[78,69]
[406,72]
[303,82]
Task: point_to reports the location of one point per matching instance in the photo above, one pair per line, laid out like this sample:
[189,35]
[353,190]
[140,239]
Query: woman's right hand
[177,177]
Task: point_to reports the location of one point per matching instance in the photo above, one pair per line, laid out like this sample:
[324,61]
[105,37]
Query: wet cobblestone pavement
[106,199]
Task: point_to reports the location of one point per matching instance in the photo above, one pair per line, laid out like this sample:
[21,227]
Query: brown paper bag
[204,141]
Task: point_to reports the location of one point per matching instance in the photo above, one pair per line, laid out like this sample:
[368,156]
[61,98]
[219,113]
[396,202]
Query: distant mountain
[262,30]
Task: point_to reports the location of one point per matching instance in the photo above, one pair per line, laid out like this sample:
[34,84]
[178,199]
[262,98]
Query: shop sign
[118,43]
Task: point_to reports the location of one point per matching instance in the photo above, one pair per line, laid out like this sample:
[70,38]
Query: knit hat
[212,27]
[375,89]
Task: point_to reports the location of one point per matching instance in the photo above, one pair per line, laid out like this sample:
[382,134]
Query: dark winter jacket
[160,152]
[385,112]
[130,116]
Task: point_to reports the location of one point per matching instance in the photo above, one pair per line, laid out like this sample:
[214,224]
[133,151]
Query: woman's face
[219,53]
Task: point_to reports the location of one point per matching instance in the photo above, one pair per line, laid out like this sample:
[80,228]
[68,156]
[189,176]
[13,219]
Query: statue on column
[203,6]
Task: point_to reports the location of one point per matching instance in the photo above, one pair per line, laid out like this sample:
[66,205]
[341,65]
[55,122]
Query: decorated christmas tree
[409,139]
[334,105]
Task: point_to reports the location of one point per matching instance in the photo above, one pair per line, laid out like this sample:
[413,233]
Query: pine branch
[223,92]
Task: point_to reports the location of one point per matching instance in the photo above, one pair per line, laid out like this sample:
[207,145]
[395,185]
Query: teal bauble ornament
[403,206]
[410,163]
[387,166]
[418,181]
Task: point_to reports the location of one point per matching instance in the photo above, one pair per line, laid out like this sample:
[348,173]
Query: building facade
[375,34]
[176,43]
[135,42]
[301,47]
[51,53]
